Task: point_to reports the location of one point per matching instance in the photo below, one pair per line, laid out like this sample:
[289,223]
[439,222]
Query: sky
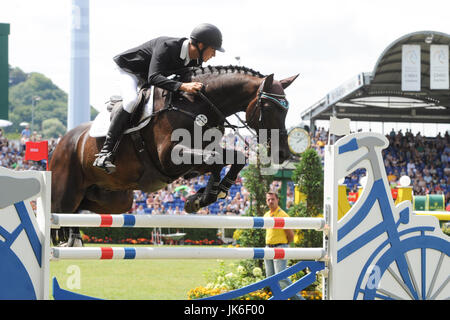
[327,42]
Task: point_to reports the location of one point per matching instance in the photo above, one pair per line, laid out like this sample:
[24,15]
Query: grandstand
[382,97]
[426,160]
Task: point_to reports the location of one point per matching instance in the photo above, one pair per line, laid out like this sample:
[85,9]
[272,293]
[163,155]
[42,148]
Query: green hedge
[118,234]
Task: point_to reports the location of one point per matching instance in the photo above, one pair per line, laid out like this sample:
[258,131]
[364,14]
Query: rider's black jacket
[155,60]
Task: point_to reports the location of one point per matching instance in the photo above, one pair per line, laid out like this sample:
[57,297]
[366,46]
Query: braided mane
[225,69]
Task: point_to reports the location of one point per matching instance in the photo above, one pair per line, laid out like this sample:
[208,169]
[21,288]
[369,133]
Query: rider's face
[209,53]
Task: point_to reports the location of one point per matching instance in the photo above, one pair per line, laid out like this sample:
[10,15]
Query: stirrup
[104,161]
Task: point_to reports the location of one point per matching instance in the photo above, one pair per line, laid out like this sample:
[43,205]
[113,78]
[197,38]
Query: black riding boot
[106,156]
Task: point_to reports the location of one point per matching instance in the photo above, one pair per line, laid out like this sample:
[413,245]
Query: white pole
[105,253]
[185,221]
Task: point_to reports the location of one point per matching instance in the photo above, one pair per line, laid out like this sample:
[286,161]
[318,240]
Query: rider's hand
[191,87]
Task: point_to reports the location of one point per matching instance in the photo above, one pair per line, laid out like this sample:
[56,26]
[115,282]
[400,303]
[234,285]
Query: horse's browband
[279,99]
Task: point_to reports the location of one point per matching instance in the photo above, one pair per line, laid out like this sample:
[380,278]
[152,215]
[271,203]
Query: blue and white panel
[22,264]
[382,250]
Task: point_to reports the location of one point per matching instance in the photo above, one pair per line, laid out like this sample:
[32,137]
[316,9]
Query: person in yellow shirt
[277,238]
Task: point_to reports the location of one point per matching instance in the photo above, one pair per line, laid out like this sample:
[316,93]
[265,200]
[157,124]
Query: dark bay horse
[150,166]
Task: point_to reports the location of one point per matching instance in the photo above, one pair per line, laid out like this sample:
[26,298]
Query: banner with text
[439,72]
[410,67]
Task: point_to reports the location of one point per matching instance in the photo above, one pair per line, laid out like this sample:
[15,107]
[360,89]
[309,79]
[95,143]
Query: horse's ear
[287,82]
[268,83]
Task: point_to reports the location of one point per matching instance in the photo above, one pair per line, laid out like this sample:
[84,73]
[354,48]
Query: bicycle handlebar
[352,145]
[370,143]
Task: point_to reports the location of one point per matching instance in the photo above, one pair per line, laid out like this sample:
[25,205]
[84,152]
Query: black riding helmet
[208,34]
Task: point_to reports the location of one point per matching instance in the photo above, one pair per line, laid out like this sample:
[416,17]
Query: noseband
[278,99]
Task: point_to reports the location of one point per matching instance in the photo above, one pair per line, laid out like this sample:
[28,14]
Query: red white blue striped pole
[105,253]
[184,221]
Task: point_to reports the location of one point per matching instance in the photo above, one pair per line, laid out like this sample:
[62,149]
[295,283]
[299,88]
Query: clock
[298,141]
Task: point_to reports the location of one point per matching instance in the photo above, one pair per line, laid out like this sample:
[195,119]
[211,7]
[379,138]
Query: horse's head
[268,111]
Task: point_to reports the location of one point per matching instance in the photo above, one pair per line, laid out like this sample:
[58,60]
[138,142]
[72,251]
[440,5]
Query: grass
[168,279]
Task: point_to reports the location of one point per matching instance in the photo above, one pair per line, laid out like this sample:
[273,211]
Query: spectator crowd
[12,153]
[425,160]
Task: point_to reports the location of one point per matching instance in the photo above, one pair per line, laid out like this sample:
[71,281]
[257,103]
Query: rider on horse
[151,63]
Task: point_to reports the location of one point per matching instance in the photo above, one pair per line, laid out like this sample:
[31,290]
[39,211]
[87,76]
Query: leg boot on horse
[216,188]
[238,162]
[207,195]
[66,237]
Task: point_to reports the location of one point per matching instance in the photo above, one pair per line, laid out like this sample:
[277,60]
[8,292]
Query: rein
[278,99]
[223,118]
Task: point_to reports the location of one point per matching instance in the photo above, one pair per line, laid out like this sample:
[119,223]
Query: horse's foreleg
[67,194]
[212,188]
[207,195]
[237,164]
[75,239]
[216,188]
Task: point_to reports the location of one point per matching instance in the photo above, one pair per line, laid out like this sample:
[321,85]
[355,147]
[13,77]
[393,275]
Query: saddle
[139,118]
[116,102]
[141,115]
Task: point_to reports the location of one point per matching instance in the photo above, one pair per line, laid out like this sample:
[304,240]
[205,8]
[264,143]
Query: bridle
[278,99]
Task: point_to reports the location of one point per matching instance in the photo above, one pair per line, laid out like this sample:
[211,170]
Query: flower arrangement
[202,242]
[88,239]
[311,295]
[232,277]
[106,239]
[225,280]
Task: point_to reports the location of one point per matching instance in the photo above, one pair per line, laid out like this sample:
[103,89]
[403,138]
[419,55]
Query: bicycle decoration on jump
[377,250]
[383,251]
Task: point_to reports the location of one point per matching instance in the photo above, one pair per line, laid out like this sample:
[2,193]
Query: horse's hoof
[192,206]
[75,241]
[222,195]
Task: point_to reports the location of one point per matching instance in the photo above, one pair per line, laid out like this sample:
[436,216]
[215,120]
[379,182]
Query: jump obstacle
[377,250]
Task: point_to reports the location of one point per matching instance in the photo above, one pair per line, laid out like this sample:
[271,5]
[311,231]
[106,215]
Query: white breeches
[128,85]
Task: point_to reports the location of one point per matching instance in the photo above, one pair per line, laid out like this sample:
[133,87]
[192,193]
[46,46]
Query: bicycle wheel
[426,275]
[15,282]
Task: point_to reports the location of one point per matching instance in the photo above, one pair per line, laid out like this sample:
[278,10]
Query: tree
[257,184]
[52,103]
[16,76]
[308,175]
[52,128]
